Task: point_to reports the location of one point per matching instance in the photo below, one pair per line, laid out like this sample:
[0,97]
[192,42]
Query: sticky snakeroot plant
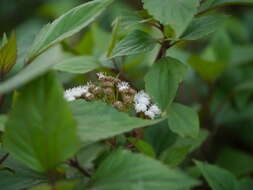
[123,130]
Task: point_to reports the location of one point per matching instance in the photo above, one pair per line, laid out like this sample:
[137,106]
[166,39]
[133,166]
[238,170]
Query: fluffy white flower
[150,114]
[142,98]
[73,93]
[154,108]
[123,86]
[101,75]
[140,107]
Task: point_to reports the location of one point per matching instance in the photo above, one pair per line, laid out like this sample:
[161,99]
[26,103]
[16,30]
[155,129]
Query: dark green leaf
[38,135]
[176,13]
[217,178]
[136,42]
[80,64]
[183,120]
[127,171]
[163,79]
[202,26]
[110,122]
[66,25]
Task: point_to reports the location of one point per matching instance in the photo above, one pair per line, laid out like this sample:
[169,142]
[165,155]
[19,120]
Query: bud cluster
[116,92]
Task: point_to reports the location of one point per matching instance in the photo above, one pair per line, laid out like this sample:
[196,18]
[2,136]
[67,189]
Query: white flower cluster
[143,104]
[123,86]
[76,92]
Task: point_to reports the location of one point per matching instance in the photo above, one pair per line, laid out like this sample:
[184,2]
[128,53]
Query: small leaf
[66,25]
[8,55]
[163,79]
[143,147]
[202,26]
[136,42]
[183,120]
[79,64]
[110,122]
[39,136]
[114,37]
[124,170]
[176,13]
[217,178]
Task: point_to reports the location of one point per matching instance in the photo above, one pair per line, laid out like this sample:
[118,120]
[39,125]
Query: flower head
[140,107]
[142,98]
[123,86]
[101,75]
[154,108]
[150,114]
[76,92]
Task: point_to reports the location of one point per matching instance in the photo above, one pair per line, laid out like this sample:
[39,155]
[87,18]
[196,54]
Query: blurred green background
[229,51]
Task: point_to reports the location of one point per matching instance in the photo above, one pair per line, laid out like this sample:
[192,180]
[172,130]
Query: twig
[4,158]
[74,163]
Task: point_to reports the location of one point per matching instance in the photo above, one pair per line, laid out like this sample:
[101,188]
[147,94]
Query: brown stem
[74,163]
[4,158]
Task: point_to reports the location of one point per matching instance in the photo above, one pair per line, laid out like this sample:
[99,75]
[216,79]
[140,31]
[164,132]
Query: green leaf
[136,42]
[62,185]
[163,79]
[203,26]
[174,155]
[19,180]
[110,122]
[183,120]
[8,55]
[3,119]
[3,41]
[66,25]
[39,136]
[143,147]
[41,65]
[217,178]
[124,170]
[236,161]
[177,152]
[176,13]
[245,86]
[207,70]
[114,37]
[79,64]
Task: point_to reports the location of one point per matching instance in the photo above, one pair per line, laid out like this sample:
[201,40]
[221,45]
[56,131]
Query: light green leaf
[79,64]
[124,170]
[41,65]
[4,40]
[98,121]
[66,25]
[163,79]
[217,178]
[136,42]
[114,37]
[8,54]
[176,13]
[203,26]
[43,134]
[183,120]
[143,147]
